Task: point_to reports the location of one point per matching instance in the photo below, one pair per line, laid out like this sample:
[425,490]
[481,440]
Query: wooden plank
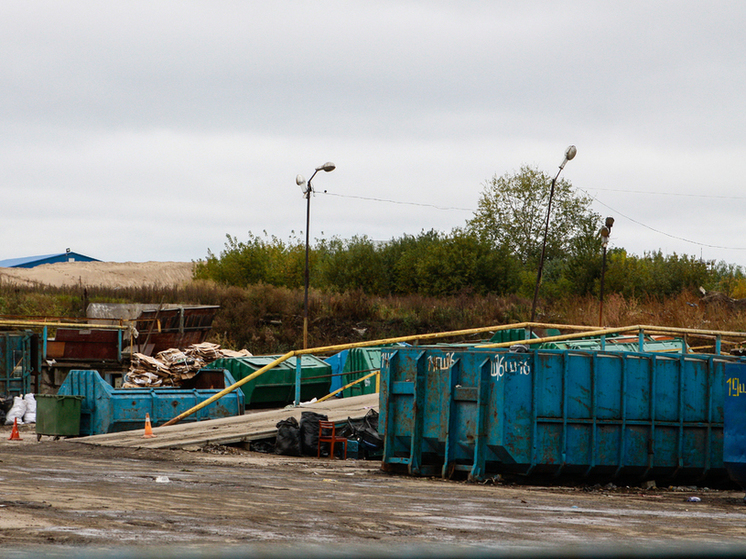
[231,430]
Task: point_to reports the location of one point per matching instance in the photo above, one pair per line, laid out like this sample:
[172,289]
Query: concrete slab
[231,430]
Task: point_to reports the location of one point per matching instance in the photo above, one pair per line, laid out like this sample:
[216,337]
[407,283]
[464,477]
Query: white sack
[30,415]
[17,411]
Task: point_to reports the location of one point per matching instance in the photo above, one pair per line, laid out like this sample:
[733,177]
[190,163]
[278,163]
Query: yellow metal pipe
[41,323]
[604,331]
[353,383]
[230,389]
[592,332]
[432,336]
[325,349]
[693,331]
[584,331]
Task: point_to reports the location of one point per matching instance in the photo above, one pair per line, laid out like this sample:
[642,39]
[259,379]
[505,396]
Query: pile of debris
[718,298]
[171,367]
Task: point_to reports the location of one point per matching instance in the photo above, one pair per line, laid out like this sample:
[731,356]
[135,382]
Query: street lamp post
[307,189]
[570,152]
[605,233]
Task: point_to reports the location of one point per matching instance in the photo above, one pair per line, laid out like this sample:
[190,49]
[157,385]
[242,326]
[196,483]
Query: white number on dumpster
[499,366]
[440,363]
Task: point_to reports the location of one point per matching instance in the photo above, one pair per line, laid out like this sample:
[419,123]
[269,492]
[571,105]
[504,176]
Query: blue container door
[734,445]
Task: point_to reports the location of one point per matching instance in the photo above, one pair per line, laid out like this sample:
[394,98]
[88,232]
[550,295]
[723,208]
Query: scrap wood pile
[171,367]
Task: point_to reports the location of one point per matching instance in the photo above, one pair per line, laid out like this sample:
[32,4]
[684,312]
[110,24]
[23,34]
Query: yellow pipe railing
[581,332]
[353,383]
[326,349]
[42,323]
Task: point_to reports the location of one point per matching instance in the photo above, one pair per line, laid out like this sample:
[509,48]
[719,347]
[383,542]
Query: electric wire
[658,230]
[397,202]
[677,194]
[448,208]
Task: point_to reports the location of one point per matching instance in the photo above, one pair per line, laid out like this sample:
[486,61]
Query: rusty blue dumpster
[734,439]
[105,409]
[552,412]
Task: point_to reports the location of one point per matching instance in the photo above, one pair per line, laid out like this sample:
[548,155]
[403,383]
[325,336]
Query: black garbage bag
[5,405]
[288,437]
[309,432]
[265,446]
[365,432]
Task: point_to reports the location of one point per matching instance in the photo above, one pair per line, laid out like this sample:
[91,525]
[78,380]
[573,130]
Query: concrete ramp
[230,430]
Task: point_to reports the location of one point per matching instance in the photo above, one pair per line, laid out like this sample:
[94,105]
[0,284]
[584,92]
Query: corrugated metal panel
[361,361]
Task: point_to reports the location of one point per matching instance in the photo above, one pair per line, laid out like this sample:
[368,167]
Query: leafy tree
[511,214]
[258,260]
[655,275]
[348,265]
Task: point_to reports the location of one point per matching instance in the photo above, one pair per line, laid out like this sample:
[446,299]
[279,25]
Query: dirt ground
[108,274]
[58,495]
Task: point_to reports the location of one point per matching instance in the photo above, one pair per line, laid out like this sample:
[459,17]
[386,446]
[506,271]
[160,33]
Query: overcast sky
[136,131]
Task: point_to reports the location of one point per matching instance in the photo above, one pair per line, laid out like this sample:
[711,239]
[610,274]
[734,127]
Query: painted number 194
[736,387]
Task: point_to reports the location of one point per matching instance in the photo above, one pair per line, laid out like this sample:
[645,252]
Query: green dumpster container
[361,361]
[58,415]
[276,387]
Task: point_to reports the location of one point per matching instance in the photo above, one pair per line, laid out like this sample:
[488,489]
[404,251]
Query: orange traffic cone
[14,436]
[148,429]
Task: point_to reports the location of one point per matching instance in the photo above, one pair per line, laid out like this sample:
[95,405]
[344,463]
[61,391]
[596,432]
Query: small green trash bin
[58,415]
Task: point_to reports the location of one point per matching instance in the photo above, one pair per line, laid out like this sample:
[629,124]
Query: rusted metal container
[84,344]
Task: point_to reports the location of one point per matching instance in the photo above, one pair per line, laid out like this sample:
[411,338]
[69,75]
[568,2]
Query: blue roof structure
[33,261]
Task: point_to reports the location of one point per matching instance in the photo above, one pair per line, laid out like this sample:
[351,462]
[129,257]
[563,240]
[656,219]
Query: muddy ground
[58,495]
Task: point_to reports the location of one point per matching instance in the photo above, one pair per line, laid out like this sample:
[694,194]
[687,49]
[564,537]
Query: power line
[448,208]
[679,194]
[396,202]
[657,230]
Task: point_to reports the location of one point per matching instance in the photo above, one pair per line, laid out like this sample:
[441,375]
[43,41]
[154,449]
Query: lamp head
[570,152]
[605,232]
[328,166]
[301,181]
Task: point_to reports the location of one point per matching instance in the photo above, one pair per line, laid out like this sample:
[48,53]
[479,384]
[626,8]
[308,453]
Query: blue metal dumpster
[734,438]
[601,414]
[105,409]
[16,362]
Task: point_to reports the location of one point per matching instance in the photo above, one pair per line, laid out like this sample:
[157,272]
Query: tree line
[497,252]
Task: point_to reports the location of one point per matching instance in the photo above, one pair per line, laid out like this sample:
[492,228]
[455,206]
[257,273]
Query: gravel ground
[58,495]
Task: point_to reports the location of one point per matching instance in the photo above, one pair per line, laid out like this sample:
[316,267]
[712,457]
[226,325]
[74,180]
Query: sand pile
[108,274]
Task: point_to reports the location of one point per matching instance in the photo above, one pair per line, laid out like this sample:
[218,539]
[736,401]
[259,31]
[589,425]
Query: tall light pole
[605,233]
[569,154]
[307,189]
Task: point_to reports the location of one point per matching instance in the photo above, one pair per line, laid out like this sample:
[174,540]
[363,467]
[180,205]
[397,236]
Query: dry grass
[266,319]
